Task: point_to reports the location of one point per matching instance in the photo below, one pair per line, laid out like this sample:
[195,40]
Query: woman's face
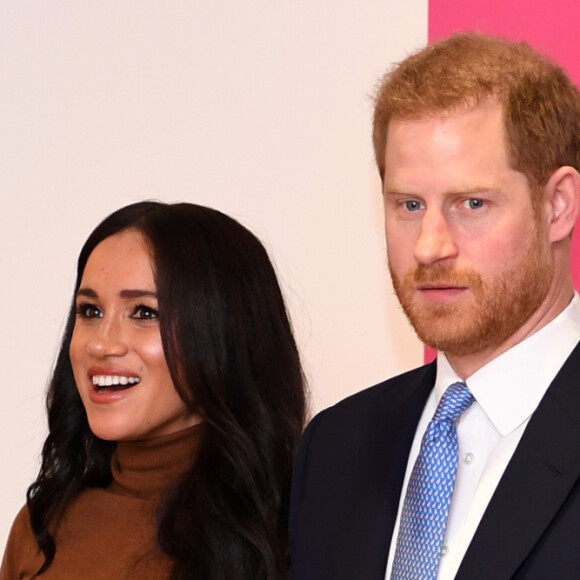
[116,353]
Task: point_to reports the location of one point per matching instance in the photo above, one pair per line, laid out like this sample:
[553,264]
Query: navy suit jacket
[350,470]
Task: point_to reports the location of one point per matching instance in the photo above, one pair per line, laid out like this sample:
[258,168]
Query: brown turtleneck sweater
[110,533]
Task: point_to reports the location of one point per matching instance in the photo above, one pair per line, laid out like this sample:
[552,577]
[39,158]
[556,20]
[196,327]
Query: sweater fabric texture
[110,533]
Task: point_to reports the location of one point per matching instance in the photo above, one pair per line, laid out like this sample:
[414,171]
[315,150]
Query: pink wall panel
[551,26]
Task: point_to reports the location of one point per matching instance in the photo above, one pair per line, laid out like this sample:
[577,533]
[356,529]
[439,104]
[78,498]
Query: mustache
[443,274]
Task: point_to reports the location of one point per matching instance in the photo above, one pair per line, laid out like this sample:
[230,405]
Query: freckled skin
[120,332]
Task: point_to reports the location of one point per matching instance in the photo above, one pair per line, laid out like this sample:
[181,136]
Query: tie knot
[454,401]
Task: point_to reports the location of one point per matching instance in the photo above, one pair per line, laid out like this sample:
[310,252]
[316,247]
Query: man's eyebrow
[393,190]
[472,190]
[129,293]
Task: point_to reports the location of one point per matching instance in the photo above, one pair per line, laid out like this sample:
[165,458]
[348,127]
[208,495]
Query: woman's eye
[473,203]
[412,205]
[89,311]
[143,312]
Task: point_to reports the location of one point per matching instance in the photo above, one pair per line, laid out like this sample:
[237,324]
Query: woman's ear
[562,200]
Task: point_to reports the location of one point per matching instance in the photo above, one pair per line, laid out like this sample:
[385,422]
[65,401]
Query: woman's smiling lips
[110,384]
[101,381]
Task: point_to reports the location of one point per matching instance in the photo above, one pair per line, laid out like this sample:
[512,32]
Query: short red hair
[540,104]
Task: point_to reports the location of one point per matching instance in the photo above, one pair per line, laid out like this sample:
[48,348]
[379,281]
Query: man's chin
[449,333]
[449,344]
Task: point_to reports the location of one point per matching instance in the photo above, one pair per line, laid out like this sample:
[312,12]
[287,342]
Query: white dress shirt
[507,391]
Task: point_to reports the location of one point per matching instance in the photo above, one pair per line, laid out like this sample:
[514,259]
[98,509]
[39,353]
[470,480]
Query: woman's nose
[107,340]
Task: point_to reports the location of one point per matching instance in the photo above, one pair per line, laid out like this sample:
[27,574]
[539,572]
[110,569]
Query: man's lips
[440,291]
[440,286]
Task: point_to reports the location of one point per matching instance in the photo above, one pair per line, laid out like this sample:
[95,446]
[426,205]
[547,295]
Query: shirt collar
[510,387]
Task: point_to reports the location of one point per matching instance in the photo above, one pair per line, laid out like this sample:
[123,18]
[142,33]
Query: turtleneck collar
[147,467]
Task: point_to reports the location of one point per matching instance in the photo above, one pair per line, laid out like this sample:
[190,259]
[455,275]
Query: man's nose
[436,241]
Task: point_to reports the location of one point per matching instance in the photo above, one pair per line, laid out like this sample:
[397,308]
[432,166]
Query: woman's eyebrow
[129,293]
[88,292]
[137,293]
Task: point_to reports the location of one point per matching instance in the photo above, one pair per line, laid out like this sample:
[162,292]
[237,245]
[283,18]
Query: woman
[174,409]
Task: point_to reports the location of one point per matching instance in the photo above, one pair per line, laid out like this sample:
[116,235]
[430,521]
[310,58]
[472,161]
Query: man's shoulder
[362,434]
[369,397]
[386,397]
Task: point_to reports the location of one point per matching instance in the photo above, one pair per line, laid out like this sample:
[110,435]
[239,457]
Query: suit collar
[510,387]
[535,484]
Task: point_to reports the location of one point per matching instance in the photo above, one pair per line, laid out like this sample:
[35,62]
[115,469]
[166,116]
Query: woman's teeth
[102,381]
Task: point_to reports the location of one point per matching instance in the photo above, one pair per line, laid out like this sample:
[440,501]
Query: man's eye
[412,205]
[143,312]
[89,311]
[473,203]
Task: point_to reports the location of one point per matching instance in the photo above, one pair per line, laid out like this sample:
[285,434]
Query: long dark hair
[232,356]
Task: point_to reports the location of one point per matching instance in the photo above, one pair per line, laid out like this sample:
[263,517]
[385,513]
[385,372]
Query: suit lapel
[366,529]
[537,481]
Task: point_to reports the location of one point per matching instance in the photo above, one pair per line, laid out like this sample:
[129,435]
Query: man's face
[468,255]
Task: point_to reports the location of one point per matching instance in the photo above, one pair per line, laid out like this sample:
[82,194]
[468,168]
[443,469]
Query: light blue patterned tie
[429,492]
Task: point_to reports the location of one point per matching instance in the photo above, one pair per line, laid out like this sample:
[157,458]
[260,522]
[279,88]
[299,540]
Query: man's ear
[562,199]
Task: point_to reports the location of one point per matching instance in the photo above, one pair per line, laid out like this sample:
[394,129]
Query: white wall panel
[260,109]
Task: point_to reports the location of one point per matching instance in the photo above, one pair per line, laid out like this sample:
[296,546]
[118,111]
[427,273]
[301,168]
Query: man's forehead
[490,104]
[447,131]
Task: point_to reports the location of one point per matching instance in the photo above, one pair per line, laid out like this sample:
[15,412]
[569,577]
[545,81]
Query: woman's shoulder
[21,530]
[22,519]
[22,557]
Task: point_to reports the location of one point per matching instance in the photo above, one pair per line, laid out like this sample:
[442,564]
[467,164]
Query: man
[477,141]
